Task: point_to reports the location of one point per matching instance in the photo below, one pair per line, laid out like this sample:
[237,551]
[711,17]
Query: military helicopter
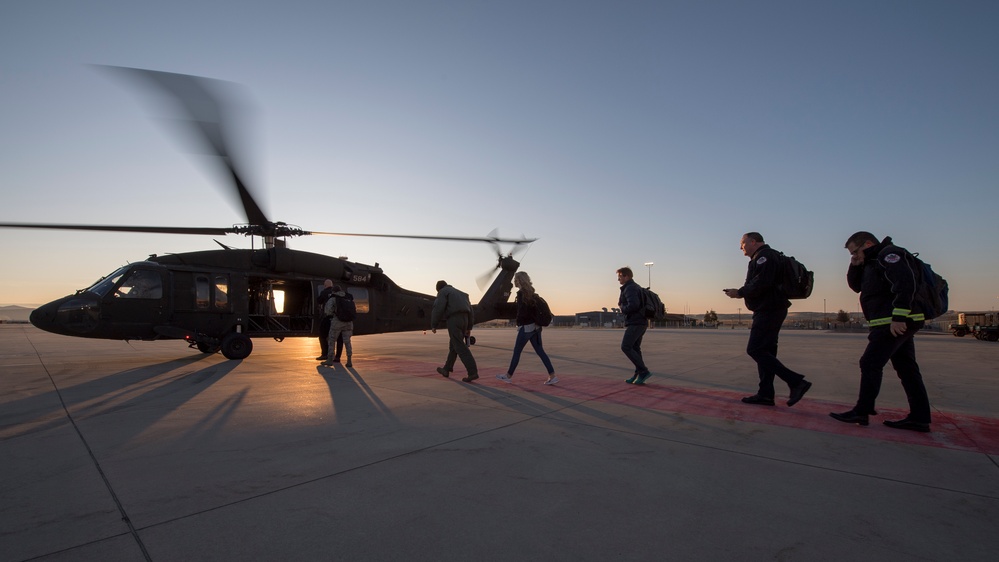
[219,300]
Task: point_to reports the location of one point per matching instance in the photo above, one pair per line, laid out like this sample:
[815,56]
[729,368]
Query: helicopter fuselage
[217,300]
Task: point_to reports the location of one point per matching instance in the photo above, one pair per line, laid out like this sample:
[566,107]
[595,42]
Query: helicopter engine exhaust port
[236,346]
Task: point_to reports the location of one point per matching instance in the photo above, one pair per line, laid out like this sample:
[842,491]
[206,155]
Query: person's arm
[471,314]
[632,299]
[855,276]
[440,304]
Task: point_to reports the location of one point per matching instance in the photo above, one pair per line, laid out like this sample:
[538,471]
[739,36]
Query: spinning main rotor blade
[491,240]
[212,231]
[112,228]
[204,106]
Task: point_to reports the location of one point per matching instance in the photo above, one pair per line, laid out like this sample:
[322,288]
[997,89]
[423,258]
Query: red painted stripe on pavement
[950,430]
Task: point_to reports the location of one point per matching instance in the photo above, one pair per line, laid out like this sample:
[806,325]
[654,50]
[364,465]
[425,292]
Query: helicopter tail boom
[495,302]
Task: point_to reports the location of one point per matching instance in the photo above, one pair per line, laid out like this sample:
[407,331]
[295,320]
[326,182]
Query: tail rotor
[494,239]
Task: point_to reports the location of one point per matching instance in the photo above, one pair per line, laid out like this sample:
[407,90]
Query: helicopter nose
[73,315]
[43,317]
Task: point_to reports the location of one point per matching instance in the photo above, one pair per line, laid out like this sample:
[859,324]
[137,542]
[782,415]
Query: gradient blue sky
[617,133]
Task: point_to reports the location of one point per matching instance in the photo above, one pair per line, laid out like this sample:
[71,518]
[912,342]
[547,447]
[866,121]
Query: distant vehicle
[982,325]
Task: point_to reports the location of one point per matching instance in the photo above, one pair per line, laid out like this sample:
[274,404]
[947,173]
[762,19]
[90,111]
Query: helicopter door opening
[280,307]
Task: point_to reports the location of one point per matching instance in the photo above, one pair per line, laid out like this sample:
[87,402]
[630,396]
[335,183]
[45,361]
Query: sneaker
[632,379]
[443,372]
[326,364]
[321,358]
[643,377]
[470,378]
[552,380]
[503,377]
[349,364]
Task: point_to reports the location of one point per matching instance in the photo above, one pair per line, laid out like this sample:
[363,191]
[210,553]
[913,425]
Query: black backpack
[796,281]
[932,293]
[346,311]
[654,307]
[544,313]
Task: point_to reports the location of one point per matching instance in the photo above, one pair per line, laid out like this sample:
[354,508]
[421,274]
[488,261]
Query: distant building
[614,319]
[599,319]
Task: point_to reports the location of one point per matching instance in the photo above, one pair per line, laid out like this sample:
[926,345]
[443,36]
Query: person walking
[769,305]
[341,324]
[324,326]
[527,328]
[632,306]
[453,307]
[883,275]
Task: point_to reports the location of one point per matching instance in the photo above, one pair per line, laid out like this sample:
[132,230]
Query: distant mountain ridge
[14,313]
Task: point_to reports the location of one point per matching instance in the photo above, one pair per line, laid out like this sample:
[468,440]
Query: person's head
[522,281]
[751,241]
[858,242]
[328,283]
[441,284]
[337,289]
[624,275]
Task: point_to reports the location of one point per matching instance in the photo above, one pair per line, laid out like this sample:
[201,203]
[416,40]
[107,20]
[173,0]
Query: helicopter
[220,300]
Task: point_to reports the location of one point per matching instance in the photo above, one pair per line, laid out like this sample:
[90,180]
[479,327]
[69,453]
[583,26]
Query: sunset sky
[615,132]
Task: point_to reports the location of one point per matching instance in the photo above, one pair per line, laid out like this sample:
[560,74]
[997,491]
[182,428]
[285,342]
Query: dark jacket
[760,289]
[527,310]
[632,305]
[450,301]
[887,284]
[324,296]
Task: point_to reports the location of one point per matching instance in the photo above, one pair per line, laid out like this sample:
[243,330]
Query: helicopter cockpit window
[104,285]
[141,284]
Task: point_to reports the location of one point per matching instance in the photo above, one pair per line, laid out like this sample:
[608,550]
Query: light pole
[649,265]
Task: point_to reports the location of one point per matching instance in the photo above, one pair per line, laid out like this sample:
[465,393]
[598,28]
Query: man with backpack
[769,305]
[342,312]
[632,306]
[324,326]
[884,275]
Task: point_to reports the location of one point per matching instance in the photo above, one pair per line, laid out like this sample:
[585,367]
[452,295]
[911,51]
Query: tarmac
[136,451]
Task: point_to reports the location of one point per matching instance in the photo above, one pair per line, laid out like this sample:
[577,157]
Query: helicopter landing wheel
[204,347]
[236,346]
